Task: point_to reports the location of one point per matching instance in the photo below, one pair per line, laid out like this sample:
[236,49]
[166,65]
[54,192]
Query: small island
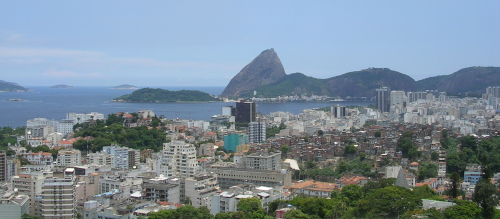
[125,87]
[11,87]
[62,86]
[151,95]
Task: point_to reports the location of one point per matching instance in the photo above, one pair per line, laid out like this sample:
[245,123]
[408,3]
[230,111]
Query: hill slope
[9,86]
[150,95]
[265,69]
[472,79]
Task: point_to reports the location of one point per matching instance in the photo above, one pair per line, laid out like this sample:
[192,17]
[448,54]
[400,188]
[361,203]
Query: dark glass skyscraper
[383,99]
[245,112]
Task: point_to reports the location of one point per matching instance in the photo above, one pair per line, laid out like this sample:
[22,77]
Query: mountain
[472,79]
[265,69]
[9,86]
[150,95]
[62,86]
[355,84]
[125,87]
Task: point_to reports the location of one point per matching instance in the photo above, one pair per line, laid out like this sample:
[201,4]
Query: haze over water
[53,103]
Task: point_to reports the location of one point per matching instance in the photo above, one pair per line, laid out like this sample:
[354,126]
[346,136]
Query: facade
[245,112]
[263,161]
[65,126]
[257,132]
[29,184]
[40,158]
[233,140]
[398,97]
[206,150]
[494,91]
[69,158]
[178,159]
[81,117]
[58,198]
[233,176]
[120,156]
[3,166]
[101,158]
[383,101]
[13,205]
[134,158]
[199,189]
[338,111]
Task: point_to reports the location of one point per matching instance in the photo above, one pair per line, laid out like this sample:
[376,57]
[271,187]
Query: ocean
[54,103]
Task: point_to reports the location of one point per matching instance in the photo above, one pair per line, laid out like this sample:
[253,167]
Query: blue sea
[53,103]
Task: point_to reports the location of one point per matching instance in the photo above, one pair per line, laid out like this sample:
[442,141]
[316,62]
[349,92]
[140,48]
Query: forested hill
[151,95]
[9,86]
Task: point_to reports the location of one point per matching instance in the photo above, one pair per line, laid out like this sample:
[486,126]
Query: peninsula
[151,95]
[125,87]
[62,86]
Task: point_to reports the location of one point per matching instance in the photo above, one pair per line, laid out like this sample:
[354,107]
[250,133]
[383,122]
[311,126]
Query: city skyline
[208,43]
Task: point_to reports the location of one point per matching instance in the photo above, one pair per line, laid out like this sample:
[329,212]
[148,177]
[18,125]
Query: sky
[206,43]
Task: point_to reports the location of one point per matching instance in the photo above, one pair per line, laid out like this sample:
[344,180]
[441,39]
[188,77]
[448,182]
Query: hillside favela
[408,151]
[250,110]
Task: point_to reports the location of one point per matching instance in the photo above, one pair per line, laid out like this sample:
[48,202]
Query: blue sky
[206,43]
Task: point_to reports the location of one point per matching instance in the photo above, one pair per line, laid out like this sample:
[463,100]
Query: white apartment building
[120,156]
[40,158]
[65,126]
[82,117]
[29,184]
[200,187]
[69,158]
[263,161]
[101,158]
[398,97]
[178,159]
[59,197]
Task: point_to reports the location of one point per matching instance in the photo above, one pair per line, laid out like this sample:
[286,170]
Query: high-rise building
[398,97]
[120,156]
[495,91]
[383,101]
[257,132]
[58,196]
[233,140]
[3,166]
[179,159]
[68,157]
[245,112]
[338,111]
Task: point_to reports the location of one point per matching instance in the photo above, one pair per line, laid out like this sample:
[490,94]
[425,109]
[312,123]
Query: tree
[390,201]
[455,183]
[434,156]
[378,134]
[353,193]
[463,209]
[251,207]
[484,196]
[295,214]
[350,150]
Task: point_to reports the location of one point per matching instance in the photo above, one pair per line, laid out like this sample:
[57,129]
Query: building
[65,126]
[134,158]
[228,111]
[207,149]
[69,157]
[398,97]
[120,156]
[101,158]
[81,117]
[178,159]
[233,140]
[383,101]
[3,166]
[40,158]
[263,160]
[257,132]
[494,91]
[338,111]
[13,205]
[199,189]
[162,189]
[59,197]
[472,174]
[233,176]
[245,112]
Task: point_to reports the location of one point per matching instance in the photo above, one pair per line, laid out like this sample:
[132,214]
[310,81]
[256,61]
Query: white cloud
[7,52]
[70,74]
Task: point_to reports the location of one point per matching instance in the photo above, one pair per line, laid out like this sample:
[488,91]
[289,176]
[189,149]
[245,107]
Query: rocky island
[62,86]
[125,87]
[151,95]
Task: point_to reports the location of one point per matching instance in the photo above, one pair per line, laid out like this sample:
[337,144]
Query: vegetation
[9,86]
[150,95]
[113,131]
[272,131]
[184,212]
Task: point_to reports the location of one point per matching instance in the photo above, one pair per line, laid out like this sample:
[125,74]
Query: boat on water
[337,100]
[14,100]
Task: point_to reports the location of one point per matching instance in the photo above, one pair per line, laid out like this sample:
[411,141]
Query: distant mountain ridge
[10,86]
[361,83]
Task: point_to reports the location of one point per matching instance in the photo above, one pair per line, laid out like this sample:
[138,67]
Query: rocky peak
[265,69]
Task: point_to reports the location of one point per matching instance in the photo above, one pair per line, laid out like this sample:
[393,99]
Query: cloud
[70,74]
[7,52]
